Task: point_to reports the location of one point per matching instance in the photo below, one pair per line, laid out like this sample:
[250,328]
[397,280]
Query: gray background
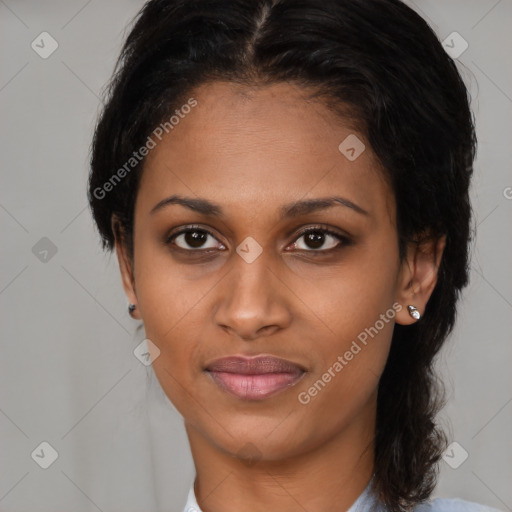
[68,375]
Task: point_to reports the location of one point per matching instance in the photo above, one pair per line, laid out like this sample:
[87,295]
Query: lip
[254,378]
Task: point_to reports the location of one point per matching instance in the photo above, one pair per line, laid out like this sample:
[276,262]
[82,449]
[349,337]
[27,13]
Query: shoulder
[453,505]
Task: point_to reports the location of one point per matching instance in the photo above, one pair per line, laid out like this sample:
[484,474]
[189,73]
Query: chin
[265,440]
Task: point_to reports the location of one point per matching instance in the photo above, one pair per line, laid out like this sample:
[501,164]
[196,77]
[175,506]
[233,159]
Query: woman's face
[255,285]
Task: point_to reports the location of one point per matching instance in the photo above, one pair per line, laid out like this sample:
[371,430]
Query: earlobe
[413,312]
[131,310]
[125,267]
[418,278]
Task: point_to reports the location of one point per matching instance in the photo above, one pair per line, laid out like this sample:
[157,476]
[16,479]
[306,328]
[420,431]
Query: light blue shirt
[367,503]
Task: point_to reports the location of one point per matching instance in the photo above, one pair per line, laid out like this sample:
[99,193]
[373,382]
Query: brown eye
[314,239]
[195,238]
[319,240]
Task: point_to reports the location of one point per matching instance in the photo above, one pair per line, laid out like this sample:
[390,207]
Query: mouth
[255,378]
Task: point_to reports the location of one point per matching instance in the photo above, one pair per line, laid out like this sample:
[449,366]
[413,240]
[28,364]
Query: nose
[252,300]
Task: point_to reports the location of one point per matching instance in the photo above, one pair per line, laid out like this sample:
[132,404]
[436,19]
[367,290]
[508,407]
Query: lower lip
[254,387]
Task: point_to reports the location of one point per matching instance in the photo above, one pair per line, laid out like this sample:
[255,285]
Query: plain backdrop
[68,375]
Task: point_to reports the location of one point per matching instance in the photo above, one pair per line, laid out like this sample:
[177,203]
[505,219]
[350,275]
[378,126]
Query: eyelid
[185,229]
[343,238]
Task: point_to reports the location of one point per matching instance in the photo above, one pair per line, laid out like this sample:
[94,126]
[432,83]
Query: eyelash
[343,239]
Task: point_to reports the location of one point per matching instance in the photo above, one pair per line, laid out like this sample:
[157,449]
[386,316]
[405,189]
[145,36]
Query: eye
[318,239]
[194,238]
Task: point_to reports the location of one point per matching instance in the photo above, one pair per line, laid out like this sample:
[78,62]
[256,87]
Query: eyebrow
[294,209]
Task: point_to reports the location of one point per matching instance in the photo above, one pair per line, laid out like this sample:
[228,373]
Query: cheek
[352,318]
[167,296]
[344,381]
[348,299]
[171,310]
[177,367]
[350,358]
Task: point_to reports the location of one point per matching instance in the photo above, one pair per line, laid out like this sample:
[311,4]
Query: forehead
[245,147]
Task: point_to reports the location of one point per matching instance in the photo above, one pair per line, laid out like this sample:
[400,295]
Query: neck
[330,476]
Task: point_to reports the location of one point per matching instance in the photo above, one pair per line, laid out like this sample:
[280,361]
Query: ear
[125,264]
[418,276]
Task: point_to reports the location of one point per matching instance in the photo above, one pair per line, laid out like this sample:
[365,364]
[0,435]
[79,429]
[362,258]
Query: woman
[285,184]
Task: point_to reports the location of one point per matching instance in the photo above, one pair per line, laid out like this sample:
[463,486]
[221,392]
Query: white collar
[191,505]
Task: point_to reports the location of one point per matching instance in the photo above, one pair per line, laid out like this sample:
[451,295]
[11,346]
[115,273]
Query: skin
[252,150]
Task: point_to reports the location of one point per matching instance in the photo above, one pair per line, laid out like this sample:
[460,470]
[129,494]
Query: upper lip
[254,365]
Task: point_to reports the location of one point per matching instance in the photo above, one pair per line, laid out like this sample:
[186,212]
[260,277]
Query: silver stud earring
[131,309]
[414,312]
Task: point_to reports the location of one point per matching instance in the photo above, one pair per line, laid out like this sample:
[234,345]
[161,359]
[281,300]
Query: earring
[131,309]
[414,312]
